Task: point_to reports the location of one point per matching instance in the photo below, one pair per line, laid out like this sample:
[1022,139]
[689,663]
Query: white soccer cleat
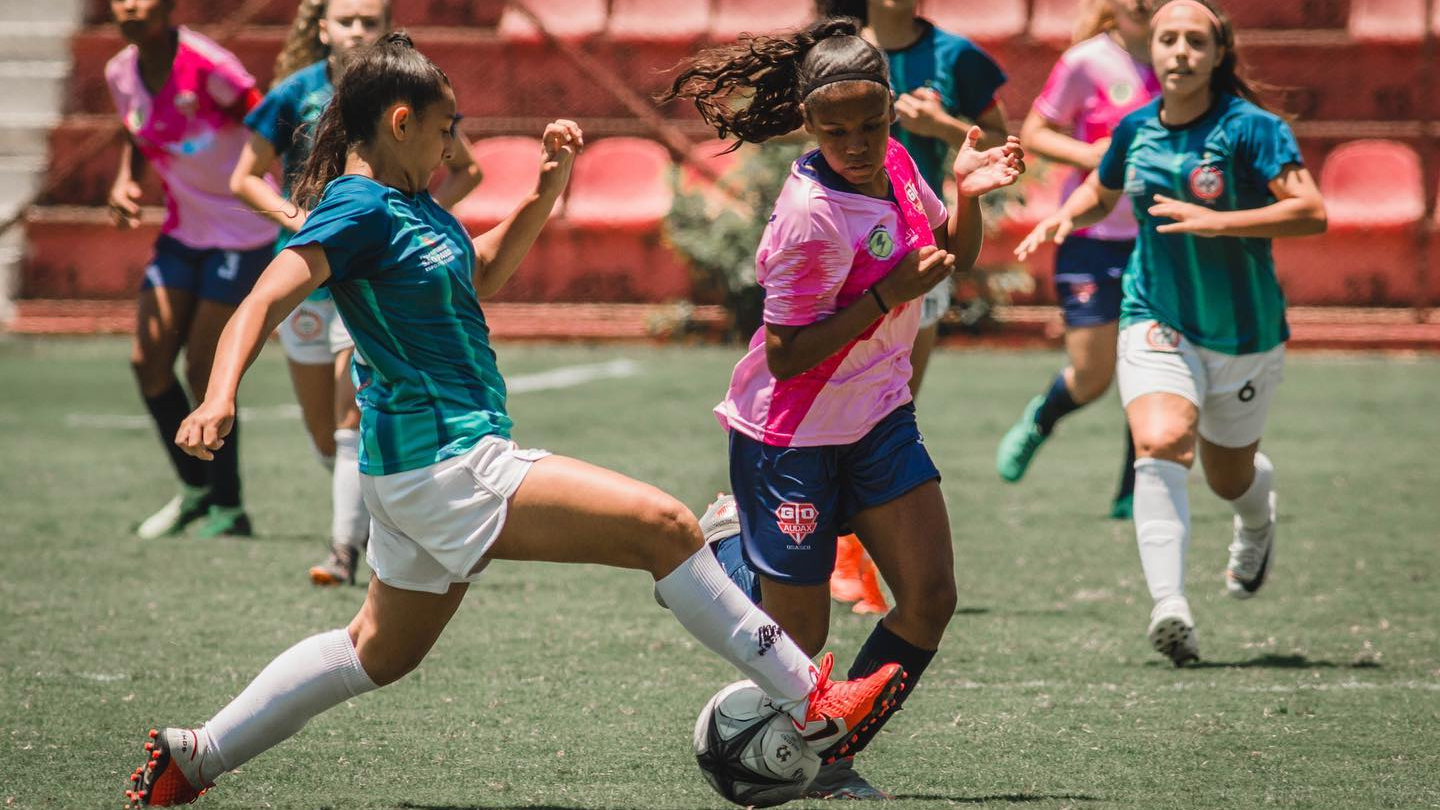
[721,519]
[838,780]
[1172,631]
[1250,556]
[172,518]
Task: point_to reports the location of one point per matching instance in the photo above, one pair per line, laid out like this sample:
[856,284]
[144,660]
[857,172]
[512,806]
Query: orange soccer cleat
[856,579]
[840,710]
[162,780]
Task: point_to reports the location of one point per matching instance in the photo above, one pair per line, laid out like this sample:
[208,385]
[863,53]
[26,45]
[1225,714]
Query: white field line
[552,380]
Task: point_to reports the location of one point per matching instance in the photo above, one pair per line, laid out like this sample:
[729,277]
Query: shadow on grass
[1014,798]
[1272,661]
[970,611]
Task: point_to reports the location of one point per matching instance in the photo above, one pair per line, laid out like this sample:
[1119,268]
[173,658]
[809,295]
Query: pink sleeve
[1064,94]
[936,214]
[802,263]
[228,82]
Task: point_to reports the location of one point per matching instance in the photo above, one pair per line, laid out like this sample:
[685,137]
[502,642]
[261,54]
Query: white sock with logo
[1162,524]
[350,519]
[318,673]
[707,603]
[1253,508]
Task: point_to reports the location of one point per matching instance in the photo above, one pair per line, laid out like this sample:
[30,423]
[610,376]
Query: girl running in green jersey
[1213,177]
[447,489]
[316,342]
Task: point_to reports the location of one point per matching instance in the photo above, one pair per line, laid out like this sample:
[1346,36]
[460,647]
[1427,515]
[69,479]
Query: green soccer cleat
[182,510]
[227,521]
[1020,443]
[1123,507]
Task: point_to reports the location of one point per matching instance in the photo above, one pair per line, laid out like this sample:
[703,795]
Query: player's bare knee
[1091,383]
[674,532]
[1228,485]
[1165,443]
[930,605]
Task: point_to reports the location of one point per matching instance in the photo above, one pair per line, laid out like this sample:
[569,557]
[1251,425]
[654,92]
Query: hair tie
[1203,9]
[844,77]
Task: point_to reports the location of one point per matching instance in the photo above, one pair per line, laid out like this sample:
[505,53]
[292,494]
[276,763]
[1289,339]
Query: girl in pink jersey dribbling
[181,98]
[822,429]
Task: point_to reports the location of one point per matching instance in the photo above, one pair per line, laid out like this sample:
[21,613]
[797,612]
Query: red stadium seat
[1373,183]
[509,168]
[1387,20]
[620,183]
[734,17]
[659,20]
[1054,20]
[983,20]
[566,19]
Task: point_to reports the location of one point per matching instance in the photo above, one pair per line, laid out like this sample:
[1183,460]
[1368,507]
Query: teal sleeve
[1112,166]
[1268,146]
[352,224]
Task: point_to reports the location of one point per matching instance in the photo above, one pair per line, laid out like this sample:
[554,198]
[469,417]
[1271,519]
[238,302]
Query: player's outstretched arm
[1298,210]
[1087,205]
[292,275]
[978,172]
[249,185]
[498,251]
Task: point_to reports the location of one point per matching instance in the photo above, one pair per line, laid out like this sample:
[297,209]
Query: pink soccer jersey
[191,134]
[1094,85]
[824,247]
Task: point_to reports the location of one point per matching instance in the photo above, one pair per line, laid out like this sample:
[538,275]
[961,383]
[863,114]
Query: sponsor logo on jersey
[1207,183]
[1162,338]
[880,243]
[441,254]
[797,519]
[912,193]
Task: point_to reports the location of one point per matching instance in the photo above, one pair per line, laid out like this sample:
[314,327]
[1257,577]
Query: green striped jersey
[400,272]
[1220,292]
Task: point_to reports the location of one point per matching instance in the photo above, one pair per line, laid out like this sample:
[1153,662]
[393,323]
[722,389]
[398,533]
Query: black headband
[844,77]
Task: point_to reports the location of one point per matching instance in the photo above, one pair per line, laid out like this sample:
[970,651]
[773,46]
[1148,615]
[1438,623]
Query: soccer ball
[750,751]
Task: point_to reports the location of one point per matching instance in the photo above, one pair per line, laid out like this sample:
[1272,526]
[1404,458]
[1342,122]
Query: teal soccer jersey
[400,273]
[965,77]
[1220,292]
[287,115]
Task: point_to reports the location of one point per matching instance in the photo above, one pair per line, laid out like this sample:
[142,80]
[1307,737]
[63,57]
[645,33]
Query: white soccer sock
[320,672]
[708,604]
[1253,507]
[351,520]
[1162,524]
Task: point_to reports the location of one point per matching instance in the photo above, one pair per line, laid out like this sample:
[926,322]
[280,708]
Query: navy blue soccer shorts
[794,501]
[212,274]
[1087,279]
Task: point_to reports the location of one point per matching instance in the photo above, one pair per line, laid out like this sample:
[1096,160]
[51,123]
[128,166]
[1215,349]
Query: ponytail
[376,77]
[302,45]
[859,9]
[1230,75]
[754,88]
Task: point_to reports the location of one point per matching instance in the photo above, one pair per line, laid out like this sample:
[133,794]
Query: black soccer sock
[1058,402]
[1127,475]
[881,648]
[225,469]
[168,410]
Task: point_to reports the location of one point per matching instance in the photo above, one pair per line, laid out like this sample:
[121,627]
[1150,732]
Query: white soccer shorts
[1232,392]
[431,527]
[935,304]
[314,333]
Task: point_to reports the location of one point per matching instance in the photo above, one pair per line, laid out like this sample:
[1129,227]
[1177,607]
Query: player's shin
[314,675]
[718,614]
[1162,524]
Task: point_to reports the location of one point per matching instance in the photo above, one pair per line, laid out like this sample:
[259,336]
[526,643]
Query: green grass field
[566,687]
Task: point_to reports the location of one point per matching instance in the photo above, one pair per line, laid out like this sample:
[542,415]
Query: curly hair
[755,87]
[302,46]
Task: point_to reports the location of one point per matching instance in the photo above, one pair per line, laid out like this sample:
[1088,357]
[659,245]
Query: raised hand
[922,112]
[978,172]
[1196,220]
[562,141]
[1055,227]
[204,431]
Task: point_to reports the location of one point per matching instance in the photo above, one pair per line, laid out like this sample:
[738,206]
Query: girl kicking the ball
[822,430]
[447,490]
[1213,178]
[316,342]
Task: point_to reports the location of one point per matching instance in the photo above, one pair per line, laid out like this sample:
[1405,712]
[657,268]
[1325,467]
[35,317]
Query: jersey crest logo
[1207,183]
[187,103]
[912,194]
[1122,93]
[1162,338]
[880,243]
[306,324]
[797,519]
